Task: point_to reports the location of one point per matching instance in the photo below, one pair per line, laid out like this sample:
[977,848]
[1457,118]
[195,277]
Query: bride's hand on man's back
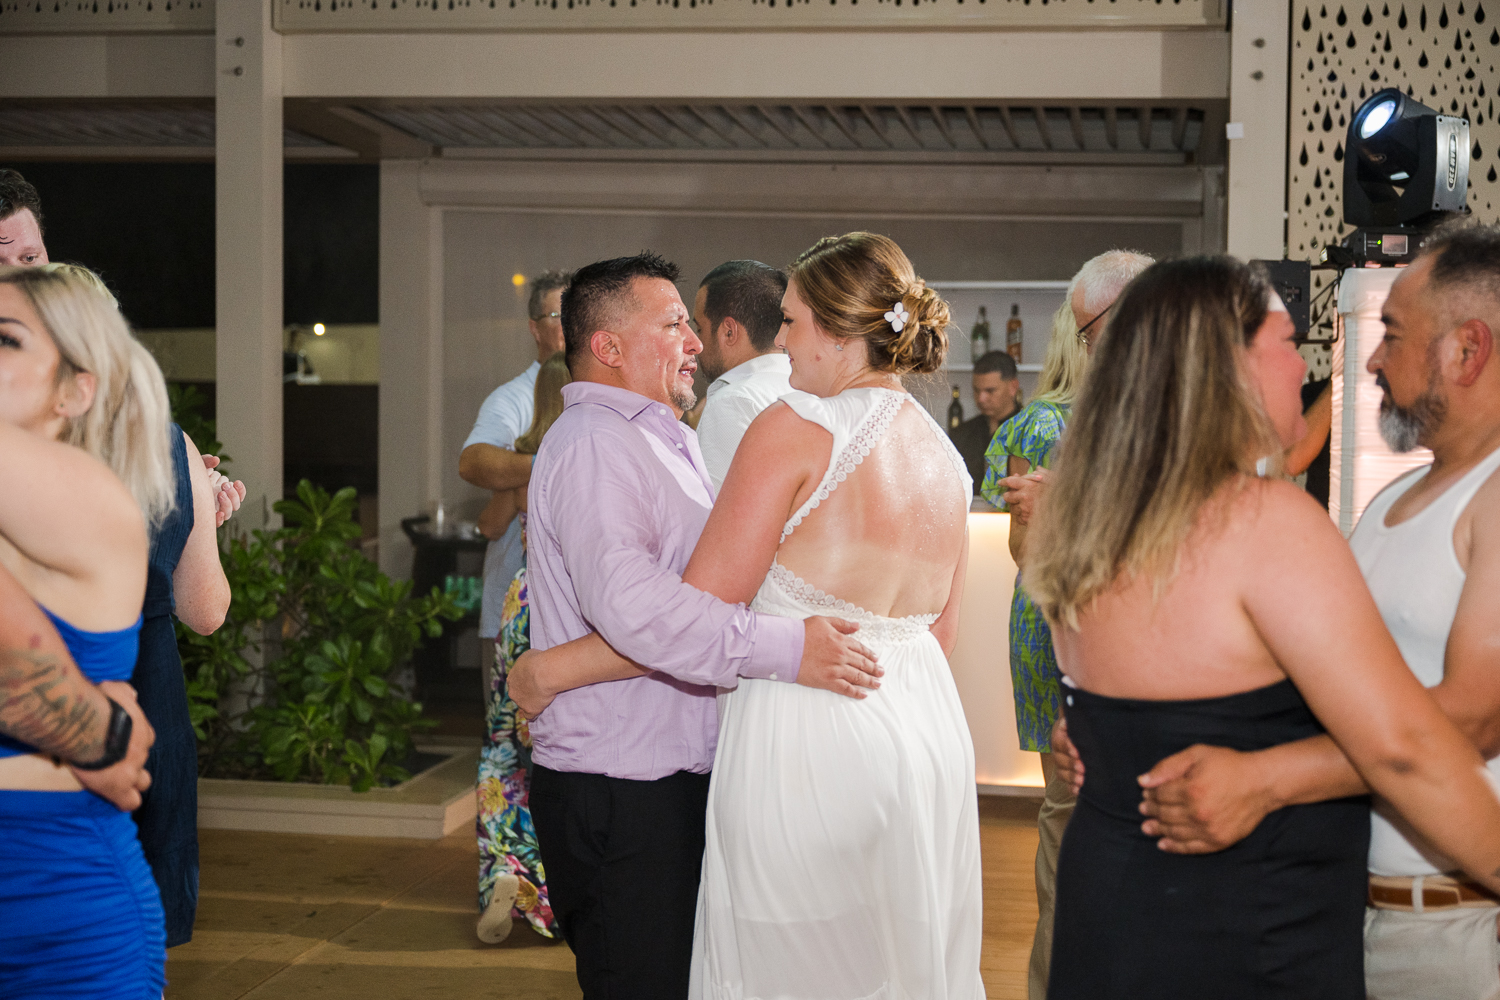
[835,660]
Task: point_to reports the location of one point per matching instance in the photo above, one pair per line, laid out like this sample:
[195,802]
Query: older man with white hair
[1092,294]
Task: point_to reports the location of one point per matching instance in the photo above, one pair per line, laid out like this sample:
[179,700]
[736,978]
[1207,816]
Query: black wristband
[116,740]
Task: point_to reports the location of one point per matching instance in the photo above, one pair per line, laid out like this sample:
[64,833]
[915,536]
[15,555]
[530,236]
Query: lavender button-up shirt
[618,498]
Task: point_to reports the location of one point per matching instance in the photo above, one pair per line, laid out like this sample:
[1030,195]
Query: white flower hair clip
[898,317]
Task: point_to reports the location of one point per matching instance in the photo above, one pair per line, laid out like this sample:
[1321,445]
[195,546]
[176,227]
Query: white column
[1258,74]
[248,172]
[411,358]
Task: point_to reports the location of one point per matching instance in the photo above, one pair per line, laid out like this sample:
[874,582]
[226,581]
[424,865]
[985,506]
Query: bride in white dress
[843,835]
[842,858]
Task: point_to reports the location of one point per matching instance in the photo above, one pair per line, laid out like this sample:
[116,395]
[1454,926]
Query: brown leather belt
[1438,892]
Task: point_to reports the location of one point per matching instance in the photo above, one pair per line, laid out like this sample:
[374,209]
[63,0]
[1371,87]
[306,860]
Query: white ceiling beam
[759,68]
[811,188]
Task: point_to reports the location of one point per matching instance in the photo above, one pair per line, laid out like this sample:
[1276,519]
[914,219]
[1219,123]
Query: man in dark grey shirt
[997,394]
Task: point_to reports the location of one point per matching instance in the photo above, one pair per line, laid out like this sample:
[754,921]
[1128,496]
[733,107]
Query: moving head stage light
[1405,168]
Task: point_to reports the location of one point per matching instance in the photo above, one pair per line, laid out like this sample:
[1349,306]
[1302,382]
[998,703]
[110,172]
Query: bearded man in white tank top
[1429,548]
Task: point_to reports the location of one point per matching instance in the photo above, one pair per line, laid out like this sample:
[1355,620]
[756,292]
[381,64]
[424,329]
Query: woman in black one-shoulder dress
[1194,602]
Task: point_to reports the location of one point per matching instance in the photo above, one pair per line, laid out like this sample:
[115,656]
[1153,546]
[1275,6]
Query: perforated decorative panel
[105,16]
[593,15]
[1445,54]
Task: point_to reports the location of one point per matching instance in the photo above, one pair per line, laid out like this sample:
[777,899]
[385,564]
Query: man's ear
[77,395]
[605,347]
[732,332]
[1476,343]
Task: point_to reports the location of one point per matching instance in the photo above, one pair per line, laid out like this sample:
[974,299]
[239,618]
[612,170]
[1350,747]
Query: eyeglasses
[550,315]
[1084,329]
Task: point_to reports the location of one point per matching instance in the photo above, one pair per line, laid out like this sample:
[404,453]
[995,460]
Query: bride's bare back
[889,538]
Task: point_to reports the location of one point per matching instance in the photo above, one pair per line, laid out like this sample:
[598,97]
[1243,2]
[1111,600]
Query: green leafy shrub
[297,683]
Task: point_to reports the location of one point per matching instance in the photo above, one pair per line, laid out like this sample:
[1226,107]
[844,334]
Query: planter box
[431,805]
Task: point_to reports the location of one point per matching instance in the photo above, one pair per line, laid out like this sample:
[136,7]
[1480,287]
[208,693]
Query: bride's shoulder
[790,421]
[844,409]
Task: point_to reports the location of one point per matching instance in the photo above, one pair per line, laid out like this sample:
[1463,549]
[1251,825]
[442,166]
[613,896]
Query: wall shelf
[1037,300]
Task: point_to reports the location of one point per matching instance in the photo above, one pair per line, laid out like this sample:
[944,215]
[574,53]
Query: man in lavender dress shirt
[618,498]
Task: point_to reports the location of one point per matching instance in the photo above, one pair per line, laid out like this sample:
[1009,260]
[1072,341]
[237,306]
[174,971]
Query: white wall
[484,330]
[453,233]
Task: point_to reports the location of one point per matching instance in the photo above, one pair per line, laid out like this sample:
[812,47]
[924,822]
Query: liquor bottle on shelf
[1013,332]
[979,340]
[955,411]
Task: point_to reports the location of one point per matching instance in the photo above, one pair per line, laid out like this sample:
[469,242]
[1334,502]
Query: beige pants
[1057,807]
[1440,955]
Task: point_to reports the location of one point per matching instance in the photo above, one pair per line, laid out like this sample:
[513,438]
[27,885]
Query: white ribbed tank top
[1416,579]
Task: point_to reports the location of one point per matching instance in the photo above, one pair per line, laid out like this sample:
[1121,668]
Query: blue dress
[80,916]
[168,816]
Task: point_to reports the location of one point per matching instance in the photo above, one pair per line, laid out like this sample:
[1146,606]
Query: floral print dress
[507,839]
[1035,678]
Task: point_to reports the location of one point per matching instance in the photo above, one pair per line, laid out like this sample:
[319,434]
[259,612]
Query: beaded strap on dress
[865,437]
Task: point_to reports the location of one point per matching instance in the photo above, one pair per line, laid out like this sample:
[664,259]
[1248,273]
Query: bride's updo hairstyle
[850,282]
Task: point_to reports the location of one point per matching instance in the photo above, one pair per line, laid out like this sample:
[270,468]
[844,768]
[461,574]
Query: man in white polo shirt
[489,460]
[737,314]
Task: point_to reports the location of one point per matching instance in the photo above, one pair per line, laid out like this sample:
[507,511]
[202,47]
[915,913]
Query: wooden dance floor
[292,917]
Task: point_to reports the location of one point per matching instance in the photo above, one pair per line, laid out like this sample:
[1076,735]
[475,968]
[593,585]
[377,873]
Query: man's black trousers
[623,860]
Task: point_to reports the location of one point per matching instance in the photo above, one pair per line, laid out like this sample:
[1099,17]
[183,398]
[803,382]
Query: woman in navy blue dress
[184,580]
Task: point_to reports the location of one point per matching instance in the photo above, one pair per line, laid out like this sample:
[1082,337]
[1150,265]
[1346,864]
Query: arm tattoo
[44,703]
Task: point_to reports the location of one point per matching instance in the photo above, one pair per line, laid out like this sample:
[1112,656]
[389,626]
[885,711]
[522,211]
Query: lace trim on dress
[889,629]
[865,437]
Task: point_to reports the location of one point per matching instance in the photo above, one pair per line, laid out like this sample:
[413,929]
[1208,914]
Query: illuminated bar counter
[981,662]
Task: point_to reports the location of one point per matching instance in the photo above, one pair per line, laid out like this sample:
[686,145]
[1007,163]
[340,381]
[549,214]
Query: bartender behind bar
[997,394]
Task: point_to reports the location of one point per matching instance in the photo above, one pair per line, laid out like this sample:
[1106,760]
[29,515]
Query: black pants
[623,859]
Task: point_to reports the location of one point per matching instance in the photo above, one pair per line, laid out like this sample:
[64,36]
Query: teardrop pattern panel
[1444,54]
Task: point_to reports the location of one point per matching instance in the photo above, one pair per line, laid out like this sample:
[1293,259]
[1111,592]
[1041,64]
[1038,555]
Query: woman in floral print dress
[1022,444]
[512,884]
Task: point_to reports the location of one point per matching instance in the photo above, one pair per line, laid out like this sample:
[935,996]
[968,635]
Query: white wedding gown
[842,860]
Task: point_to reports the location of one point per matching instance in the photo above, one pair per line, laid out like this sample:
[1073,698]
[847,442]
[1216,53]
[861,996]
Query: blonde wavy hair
[550,380]
[1167,416]
[126,426]
[1066,362]
[850,282]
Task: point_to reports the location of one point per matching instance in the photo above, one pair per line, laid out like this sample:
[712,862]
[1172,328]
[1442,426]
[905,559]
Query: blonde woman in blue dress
[842,858]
